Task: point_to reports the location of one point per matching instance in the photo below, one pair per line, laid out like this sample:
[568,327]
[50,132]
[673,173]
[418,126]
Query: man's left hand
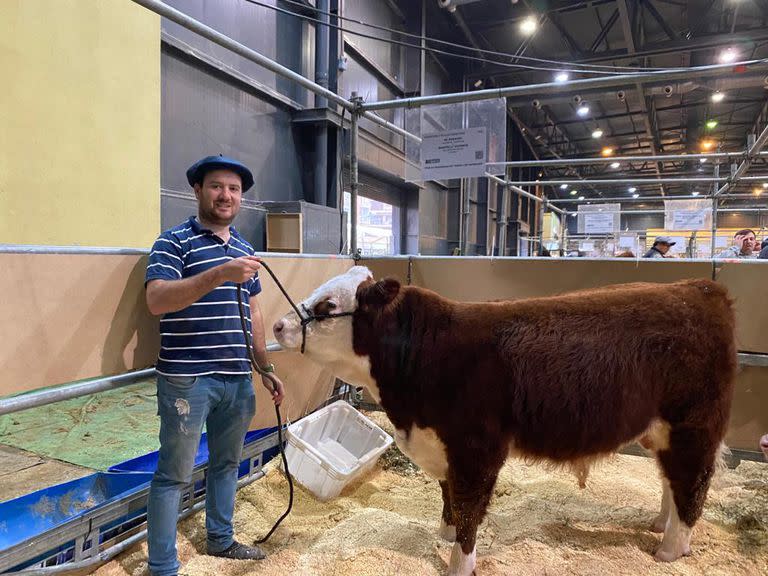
[276,389]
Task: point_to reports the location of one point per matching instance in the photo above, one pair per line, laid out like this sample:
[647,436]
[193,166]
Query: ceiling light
[694,193]
[711,124]
[707,145]
[635,195]
[615,165]
[757,191]
[607,151]
[574,192]
[717,97]
[728,55]
[581,197]
[597,133]
[563,186]
[582,110]
[632,189]
[478,83]
[702,160]
[528,26]
[765,184]
[562,77]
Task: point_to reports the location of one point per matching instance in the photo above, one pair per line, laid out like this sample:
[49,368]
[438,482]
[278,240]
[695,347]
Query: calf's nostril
[278,327]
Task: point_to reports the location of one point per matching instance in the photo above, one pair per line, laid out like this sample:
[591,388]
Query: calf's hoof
[670,554]
[462,564]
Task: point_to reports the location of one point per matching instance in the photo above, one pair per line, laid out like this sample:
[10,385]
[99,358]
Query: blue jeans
[225,404]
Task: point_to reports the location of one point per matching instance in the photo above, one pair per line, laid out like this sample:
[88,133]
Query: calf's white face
[329,341]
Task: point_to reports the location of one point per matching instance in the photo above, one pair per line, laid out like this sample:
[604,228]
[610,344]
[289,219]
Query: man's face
[662,247]
[219,196]
[749,243]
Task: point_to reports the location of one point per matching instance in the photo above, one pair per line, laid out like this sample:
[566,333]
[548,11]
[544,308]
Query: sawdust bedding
[539,523]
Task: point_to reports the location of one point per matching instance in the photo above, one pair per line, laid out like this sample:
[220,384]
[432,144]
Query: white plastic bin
[331,447]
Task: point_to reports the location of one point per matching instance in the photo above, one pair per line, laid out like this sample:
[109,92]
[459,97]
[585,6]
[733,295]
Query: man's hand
[240,269]
[738,241]
[276,388]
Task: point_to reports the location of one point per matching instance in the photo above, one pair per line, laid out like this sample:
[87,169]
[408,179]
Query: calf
[564,379]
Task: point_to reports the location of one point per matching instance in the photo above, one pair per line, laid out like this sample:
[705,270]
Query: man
[743,244]
[660,247]
[763,250]
[204,375]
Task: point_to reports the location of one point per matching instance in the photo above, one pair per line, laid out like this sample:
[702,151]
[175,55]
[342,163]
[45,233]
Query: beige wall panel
[80,117]
[747,283]
[387,268]
[307,386]
[72,316]
[470,279]
[299,276]
[749,413]
[66,317]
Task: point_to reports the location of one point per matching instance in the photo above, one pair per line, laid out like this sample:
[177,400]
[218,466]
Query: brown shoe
[240,552]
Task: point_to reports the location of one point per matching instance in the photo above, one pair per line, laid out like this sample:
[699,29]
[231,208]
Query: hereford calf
[563,379]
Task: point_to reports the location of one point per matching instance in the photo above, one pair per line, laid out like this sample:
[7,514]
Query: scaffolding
[359,109]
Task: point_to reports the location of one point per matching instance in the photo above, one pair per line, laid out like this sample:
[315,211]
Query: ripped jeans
[225,404]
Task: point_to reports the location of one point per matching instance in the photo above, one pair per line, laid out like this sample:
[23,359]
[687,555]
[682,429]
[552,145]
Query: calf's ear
[379,293]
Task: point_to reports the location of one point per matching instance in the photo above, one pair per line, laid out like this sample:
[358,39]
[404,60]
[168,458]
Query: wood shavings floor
[539,523]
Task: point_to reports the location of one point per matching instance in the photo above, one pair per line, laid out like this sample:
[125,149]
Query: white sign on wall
[598,222]
[453,154]
[690,219]
[627,242]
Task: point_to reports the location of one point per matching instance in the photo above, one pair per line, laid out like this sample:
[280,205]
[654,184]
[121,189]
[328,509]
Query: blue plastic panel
[35,513]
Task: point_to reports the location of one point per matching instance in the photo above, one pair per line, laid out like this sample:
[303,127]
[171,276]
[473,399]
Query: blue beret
[199,169]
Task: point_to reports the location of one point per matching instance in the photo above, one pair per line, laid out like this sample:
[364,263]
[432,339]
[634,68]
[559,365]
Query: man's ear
[197,188]
[377,294]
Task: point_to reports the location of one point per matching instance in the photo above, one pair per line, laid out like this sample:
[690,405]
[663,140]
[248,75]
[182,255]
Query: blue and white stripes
[206,337]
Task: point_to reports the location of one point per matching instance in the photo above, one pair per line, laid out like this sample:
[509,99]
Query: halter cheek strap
[309,317]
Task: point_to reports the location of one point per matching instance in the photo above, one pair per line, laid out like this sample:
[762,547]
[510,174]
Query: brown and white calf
[564,379]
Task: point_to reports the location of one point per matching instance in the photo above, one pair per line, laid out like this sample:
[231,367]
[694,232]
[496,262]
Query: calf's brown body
[562,379]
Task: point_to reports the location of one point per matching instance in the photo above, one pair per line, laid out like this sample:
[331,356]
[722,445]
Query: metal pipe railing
[521,192]
[110,251]
[61,393]
[78,389]
[649,181]
[393,127]
[752,153]
[354,183]
[661,211]
[641,199]
[217,37]
[624,159]
[569,86]
[240,49]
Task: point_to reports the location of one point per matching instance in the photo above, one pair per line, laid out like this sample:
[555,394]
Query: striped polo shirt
[206,337]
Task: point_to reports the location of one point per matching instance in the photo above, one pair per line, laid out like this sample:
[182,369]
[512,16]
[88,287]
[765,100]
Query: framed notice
[690,219]
[599,222]
[454,154]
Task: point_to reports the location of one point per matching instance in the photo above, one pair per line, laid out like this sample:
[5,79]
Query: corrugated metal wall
[273,34]
[205,111]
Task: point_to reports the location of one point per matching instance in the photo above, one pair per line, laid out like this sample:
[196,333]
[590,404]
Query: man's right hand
[240,269]
[738,241]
